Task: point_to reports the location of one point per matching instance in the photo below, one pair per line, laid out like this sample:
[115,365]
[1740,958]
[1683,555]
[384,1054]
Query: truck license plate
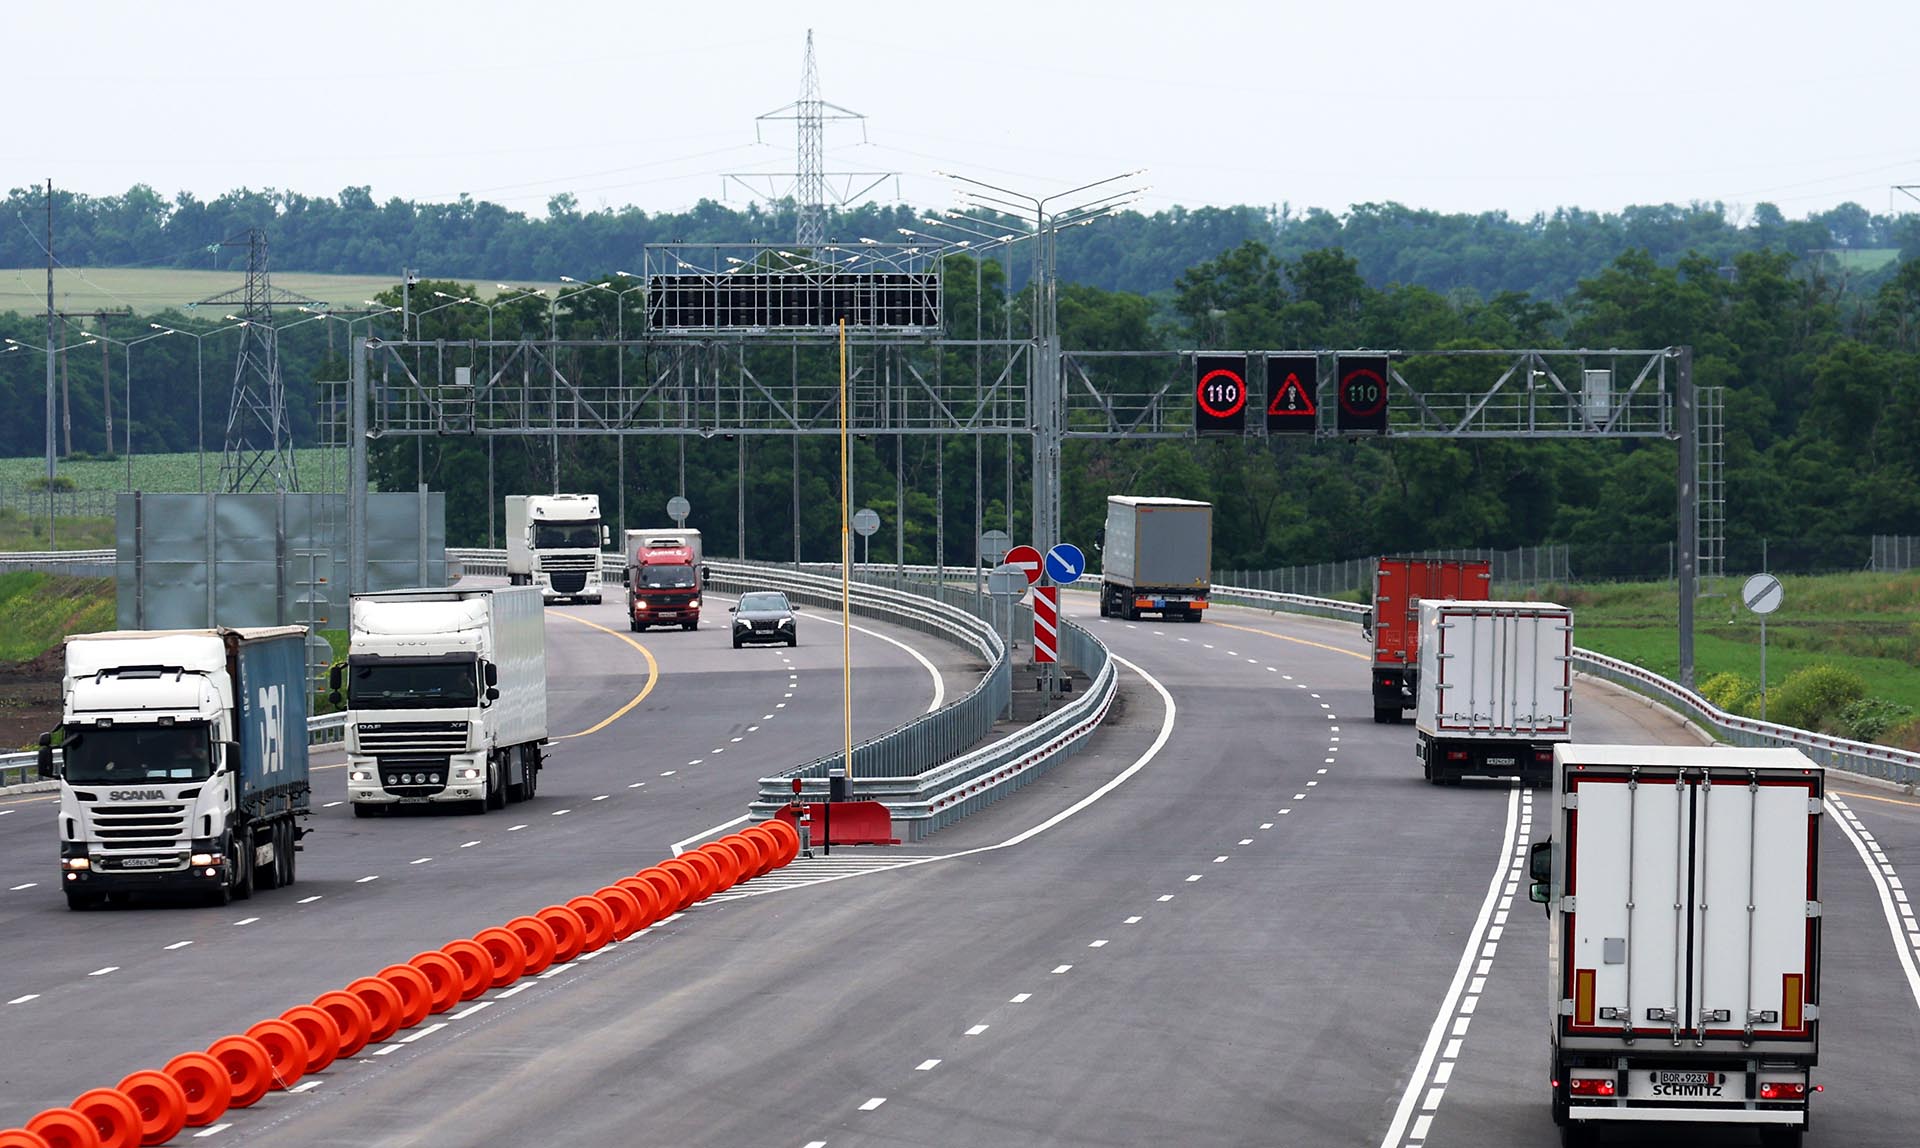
[1499,761]
[1686,1084]
[413,801]
[143,862]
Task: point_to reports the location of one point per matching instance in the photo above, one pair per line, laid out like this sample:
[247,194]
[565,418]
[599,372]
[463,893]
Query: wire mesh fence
[1527,566]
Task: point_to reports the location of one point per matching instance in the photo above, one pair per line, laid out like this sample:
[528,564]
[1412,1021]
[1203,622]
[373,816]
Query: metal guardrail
[19,768]
[76,563]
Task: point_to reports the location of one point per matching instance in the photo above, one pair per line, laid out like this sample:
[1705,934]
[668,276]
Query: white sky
[1457,105]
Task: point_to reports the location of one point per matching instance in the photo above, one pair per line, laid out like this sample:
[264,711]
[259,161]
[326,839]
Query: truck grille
[429,737]
[569,563]
[413,776]
[138,828]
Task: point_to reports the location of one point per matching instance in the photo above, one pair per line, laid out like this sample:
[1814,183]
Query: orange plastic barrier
[537,939]
[351,1016]
[416,992]
[509,956]
[782,828]
[623,906]
[208,1087]
[569,932]
[383,1006]
[64,1128]
[708,868]
[115,1117]
[286,1049]
[667,891]
[596,918]
[770,845]
[320,1031]
[726,861]
[744,852]
[249,1066]
[445,980]
[690,878]
[161,1102]
[476,966]
[21,1138]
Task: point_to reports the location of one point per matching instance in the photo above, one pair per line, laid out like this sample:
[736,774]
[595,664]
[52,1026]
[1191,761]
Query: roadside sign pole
[1762,595]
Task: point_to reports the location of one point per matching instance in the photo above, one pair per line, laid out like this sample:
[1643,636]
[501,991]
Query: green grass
[18,531]
[158,472]
[151,289]
[38,610]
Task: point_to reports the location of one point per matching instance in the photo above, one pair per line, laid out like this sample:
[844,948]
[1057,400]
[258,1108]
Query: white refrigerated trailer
[1682,884]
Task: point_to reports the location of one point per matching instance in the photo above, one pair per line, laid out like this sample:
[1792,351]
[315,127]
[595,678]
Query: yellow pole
[846,570]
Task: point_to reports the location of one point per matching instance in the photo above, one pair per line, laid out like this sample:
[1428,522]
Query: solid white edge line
[680,846]
[1886,902]
[933,671]
[1416,1085]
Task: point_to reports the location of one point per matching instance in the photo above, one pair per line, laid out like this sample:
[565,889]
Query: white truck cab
[554,542]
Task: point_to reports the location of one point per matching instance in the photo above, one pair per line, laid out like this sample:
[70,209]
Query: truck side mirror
[45,758]
[333,679]
[493,693]
[232,756]
[703,574]
[1540,872]
[493,674]
[333,696]
[606,539]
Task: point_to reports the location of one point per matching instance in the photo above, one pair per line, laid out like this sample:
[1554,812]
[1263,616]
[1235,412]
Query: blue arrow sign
[1065,564]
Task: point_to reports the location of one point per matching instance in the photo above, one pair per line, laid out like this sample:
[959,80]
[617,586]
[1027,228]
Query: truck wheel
[641,627]
[595,600]
[242,874]
[1130,614]
[1386,715]
[268,878]
[496,787]
[292,855]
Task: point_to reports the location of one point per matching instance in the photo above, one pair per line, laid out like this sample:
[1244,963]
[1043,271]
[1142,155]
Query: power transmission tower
[811,185]
[258,453]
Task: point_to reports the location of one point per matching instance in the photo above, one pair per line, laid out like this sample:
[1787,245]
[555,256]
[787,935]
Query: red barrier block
[205,1081]
[115,1116]
[64,1128]
[162,1104]
[852,823]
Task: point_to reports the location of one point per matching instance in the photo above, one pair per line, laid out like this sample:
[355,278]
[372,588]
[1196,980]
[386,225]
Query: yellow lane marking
[1285,638]
[1875,797]
[653,675]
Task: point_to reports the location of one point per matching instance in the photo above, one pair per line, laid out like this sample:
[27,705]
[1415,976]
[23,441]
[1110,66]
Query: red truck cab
[663,587]
[1394,623]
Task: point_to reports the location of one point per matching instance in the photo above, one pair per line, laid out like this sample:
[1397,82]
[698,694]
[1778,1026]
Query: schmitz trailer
[1682,886]
[1399,586]
[183,762]
[1496,689]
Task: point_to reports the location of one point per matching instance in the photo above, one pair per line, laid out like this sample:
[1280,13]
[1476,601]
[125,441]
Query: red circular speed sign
[1221,393]
[1363,392]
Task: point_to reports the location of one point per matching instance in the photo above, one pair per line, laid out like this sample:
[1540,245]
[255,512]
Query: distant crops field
[150,289]
[160,472]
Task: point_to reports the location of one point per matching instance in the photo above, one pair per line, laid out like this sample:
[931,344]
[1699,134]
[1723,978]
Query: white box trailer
[1495,689]
[1682,884]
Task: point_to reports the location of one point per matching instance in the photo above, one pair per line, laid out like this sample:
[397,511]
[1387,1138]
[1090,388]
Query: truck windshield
[137,753]
[666,577]
[403,683]
[567,535]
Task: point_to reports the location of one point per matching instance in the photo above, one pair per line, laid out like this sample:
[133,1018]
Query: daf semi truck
[1393,625]
[554,542]
[1495,689]
[182,762]
[446,697]
[1156,557]
[1683,954]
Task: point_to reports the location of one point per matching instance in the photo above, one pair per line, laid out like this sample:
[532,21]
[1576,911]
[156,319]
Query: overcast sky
[1466,105]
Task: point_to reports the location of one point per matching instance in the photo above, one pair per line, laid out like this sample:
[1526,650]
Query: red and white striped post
[1046,623]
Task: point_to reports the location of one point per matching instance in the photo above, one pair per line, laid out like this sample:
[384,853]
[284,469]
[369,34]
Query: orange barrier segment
[569,932]
[64,1128]
[769,845]
[205,1081]
[161,1102]
[788,836]
[115,1117]
[351,1017]
[537,939]
[383,1005]
[692,880]
[445,980]
[416,992]
[623,907]
[21,1138]
[321,1032]
[708,868]
[509,956]
[248,1066]
[476,966]
[286,1050]
[745,853]
[666,892]
[596,918]
[726,861]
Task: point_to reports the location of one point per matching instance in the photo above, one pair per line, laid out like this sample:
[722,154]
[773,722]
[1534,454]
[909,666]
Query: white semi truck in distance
[1495,688]
[554,542]
[182,762]
[446,696]
[1683,957]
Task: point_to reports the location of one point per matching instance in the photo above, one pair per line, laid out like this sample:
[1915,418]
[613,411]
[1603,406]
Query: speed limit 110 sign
[1361,386]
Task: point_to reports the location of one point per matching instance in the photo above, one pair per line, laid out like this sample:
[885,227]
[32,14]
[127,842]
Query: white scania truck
[1683,896]
[554,542]
[446,695]
[182,762]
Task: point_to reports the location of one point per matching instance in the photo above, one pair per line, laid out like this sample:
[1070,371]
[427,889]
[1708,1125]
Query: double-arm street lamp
[127,346]
[51,352]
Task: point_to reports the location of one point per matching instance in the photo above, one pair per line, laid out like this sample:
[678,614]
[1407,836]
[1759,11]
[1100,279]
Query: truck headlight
[693,603]
[642,603]
[76,863]
[359,775]
[200,860]
[467,773]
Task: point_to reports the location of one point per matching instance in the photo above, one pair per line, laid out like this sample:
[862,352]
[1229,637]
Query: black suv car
[764,616]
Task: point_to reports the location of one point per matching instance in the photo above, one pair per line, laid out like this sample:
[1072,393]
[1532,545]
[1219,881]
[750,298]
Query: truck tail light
[1456,755]
[1603,1087]
[1783,1090]
[1386,681]
[1543,756]
[1143,603]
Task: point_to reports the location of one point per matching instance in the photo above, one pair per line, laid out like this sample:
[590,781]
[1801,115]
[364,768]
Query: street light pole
[16,345]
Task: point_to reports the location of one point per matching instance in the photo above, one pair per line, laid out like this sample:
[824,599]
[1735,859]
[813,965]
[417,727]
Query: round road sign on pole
[1065,564]
[677,509]
[1028,560]
[994,545]
[865,522]
[1007,581]
[1762,593]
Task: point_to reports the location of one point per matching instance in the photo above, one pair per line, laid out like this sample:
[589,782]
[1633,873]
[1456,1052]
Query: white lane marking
[976,1030]
[1273,669]
[755,728]
[815,1144]
[1164,897]
[364,880]
[1297,797]
[1266,825]
[105,971]
[327,805]
[25,999]
[387,1050]
[1133,920]
[933,671]
[718,749]
[28,885]
[307,1085]
[681,845]
[733,739]
[177,945]
[1316,696]
[603,797]
[670,773]
[1021,998]
[1099,944]
[1246,841]
[786,695]
[1253,661]
[872,1104]
[246,920]
[427,1031]
[419,860]
[309,900]
[561,812]
[1219,859]
[471,1009]
[781,705]
[211,1130]
[503,994]
[1286,811]
[636,785]
[764,717]
[926,1065]
[1192,877]
[696,761]
[515,828]
[1396,1131]
[468,844]
[1886,897]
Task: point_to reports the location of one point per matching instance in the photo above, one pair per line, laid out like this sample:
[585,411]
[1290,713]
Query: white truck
[1682,890]
[446,696]
[554,542]
[182,762]
[1156,556]
[1495,689]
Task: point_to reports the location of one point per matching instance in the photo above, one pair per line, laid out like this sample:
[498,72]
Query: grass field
[157,472]
[150,289]
[38,610]
[20,532]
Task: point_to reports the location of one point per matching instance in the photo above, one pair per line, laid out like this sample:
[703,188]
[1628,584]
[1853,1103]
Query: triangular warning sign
[1292,398]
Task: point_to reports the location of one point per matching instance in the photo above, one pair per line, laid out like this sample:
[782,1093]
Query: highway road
[1238,917]
[657,736]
